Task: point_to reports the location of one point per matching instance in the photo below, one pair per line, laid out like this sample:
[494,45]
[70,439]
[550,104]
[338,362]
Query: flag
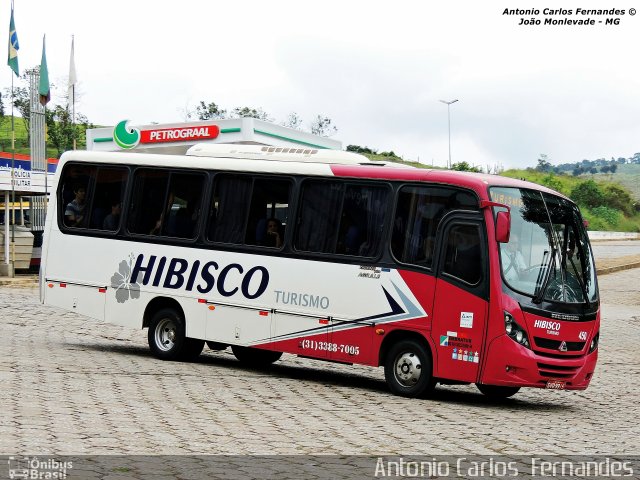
[44,90]
[12,60]
[73,79]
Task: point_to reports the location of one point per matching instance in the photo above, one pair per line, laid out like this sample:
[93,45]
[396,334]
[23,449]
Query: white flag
[73,79]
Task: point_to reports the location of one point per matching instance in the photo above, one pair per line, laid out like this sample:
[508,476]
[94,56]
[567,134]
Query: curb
[617,268]
[19,281]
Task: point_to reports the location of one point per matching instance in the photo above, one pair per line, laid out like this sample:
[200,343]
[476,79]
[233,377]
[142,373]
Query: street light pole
[448,103]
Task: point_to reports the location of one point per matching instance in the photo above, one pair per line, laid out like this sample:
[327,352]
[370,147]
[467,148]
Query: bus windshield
[548,256]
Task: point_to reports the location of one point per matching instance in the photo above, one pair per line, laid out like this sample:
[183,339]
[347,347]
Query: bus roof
[283,154]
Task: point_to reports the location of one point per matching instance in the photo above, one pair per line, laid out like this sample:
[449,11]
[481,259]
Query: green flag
[44,90]
[12,60]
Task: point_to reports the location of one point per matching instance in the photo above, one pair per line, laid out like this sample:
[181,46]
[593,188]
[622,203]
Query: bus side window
[418,213]
[75,195]
[229,208]
[107,200]
[183,205]
[362,220]
[463,257]
[318,219]
[269,207]
[336,217]
[147,207]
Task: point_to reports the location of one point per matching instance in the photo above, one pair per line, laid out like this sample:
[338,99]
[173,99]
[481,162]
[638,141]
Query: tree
[588,193]
[543,163]
[593,170]
[359,149]
[209,111]
[465,167]
[551,181]
[61,131]
[22,101]
[293,121]
[605,169]
[616,196]
[613,167]
[1,107]
[244,112]
[321,126]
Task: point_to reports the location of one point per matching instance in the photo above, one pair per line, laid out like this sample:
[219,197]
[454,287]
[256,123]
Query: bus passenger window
[268,212]
[417,217]
[341,218]
[166,203]
[107,199]
[318,218]
[463,257]
[183,205]
[229,208]
[148,201]
[75,195]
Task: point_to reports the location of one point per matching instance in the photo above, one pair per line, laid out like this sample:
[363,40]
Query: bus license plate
[556,384]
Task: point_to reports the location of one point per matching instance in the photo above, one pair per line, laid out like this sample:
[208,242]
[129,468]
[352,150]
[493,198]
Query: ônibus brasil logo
[126,137]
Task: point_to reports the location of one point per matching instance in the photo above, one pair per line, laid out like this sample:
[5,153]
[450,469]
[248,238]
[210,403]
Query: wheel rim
[166,333]
[407,369]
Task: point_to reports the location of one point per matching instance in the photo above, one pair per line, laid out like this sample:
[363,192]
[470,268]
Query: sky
[377,69]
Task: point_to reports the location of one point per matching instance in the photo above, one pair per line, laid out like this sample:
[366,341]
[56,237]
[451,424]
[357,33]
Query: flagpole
[72,81]
[10,212]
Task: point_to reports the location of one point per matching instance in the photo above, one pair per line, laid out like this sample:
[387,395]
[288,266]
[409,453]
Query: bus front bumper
[511,364]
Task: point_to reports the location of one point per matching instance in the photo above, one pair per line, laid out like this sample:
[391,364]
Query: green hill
[22,139]
[627,175]
[605,200]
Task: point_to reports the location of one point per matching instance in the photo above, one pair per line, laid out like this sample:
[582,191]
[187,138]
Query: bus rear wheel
[408,369]
[167,339]
[497,392]
[255,357]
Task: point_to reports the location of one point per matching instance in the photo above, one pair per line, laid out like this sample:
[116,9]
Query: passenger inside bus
[112,221]
[74,213]
[270,233]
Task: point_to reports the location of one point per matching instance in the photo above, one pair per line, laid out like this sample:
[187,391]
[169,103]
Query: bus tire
[255,357]
[217,346]
[167,339]
[496,392]
[408,369]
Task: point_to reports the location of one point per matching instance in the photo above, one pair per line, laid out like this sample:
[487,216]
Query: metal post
[448,103]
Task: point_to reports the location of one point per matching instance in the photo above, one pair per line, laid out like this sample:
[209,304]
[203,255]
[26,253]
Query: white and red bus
[438,276]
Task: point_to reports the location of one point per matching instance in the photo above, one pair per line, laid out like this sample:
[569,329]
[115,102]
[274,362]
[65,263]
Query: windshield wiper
[547,278]
[583,287]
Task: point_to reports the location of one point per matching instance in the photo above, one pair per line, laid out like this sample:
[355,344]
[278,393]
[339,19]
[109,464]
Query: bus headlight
[515,331]
[594,342]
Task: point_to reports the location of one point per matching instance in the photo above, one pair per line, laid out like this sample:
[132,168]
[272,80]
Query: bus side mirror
[503,227]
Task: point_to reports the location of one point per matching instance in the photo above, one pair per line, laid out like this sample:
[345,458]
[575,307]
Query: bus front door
[461,306]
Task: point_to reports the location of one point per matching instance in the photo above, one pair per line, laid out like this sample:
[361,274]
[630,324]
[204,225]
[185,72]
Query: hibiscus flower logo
[121,281]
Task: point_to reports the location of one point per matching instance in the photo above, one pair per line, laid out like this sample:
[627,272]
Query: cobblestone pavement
[70,387]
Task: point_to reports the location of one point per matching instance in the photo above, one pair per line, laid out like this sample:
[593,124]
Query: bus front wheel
[496,392]
[167,339]
[255,357]
[408,370]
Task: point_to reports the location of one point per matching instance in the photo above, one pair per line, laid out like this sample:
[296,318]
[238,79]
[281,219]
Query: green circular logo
[124,136]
